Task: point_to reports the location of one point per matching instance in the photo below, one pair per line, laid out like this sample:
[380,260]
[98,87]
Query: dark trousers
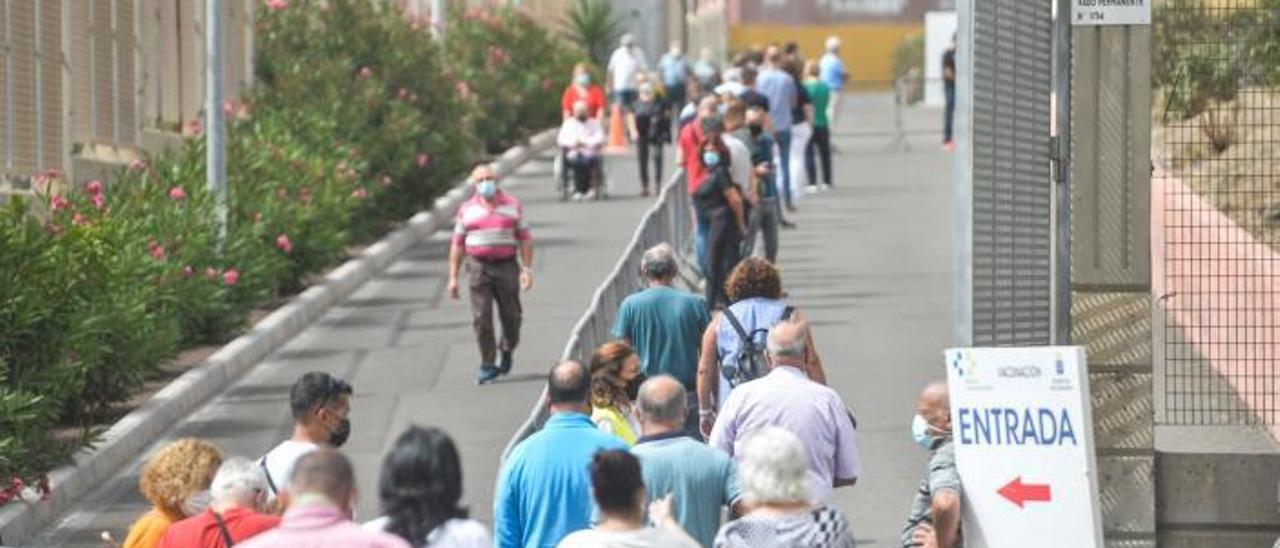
[724,249]
[494,282]
[819,145]
[583,167]
[645,149]
[783,139]
[947,124]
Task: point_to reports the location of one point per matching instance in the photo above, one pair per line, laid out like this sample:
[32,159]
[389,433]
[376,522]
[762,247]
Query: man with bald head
[544,488]
[787,398]
[935,511]
[702,478]
[489,233]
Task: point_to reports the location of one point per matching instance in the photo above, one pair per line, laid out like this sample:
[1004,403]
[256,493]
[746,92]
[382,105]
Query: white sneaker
[811,189]
[826,187]
[591,194]
[577,196]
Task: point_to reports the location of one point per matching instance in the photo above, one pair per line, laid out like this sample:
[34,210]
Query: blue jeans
[783,138]
[949,121]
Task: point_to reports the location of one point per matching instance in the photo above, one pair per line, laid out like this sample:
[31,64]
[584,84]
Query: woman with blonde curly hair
[754,288]
[613,366]
[176,481]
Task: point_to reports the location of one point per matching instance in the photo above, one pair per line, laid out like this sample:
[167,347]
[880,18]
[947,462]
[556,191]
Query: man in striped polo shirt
[489,233]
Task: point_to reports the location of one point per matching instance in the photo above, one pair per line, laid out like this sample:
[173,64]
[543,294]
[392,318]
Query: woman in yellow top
[176,482]
[613,366]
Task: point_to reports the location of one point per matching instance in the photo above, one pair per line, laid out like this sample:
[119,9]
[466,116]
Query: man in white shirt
[627,61]
[320,404]
[581,140]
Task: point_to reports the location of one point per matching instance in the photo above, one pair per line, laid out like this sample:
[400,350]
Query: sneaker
[644,192]
[591,194]
[827,187]
[487,374]
[811,189]
[505,362]
[787,224]
[949,146]
[577,197]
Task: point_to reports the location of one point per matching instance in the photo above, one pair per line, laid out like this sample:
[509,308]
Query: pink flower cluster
[277,5]
[423,159]
[283,243]
[156,250]
[177,194]
[235,111]
[498,56]
[230,277]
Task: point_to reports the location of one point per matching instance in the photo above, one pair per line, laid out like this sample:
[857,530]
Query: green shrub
[511,71]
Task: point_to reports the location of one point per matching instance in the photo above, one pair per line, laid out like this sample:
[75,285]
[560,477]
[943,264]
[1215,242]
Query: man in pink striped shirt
[489,234]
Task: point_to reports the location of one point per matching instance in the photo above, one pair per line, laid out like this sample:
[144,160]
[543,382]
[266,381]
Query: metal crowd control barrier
[669,220]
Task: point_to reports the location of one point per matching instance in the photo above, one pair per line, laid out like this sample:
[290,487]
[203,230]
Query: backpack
[752,362]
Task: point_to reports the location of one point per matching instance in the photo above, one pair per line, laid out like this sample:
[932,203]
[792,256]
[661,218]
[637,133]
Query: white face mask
[196,503]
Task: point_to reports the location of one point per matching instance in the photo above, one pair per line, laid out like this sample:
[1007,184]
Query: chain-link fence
[670,220]
[1217,206]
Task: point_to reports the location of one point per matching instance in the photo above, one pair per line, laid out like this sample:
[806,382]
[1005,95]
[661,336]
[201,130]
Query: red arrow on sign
[1020,493]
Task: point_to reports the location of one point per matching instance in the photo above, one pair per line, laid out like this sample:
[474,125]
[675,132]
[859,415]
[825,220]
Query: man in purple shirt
[788,399]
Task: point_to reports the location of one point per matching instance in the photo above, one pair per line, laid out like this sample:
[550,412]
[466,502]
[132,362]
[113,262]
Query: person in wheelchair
[581,142]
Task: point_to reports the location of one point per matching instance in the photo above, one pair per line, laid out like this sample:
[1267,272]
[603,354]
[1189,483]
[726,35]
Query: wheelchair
[563,177]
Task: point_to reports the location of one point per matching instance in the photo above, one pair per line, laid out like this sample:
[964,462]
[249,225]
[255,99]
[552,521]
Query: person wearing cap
[831,71]
[626,62]
[489,235]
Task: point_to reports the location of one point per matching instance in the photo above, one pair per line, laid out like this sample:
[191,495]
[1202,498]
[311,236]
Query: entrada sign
[1024,447]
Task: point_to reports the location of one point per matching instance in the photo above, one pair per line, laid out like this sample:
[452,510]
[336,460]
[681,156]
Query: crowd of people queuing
[707,421]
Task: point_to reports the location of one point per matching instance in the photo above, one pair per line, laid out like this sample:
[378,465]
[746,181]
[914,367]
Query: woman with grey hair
[773,472]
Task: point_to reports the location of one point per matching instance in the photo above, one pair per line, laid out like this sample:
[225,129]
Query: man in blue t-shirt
[831,70]
[665,325]
[544,488]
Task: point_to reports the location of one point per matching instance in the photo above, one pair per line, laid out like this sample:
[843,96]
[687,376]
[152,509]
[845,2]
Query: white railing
[669,220]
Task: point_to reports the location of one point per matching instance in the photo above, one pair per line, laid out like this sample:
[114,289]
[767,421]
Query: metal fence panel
[1218,269]
[670,220]
[1004,184]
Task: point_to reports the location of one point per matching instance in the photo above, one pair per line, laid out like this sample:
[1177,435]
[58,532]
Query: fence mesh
[1217,209]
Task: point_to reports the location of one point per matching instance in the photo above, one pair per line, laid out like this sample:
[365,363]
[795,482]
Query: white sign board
[1023,435]
[1111,12]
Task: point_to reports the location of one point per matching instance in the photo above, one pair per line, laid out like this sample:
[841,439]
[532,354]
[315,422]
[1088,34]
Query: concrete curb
[90,467]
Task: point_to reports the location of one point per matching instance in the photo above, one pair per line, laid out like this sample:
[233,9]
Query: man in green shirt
[820,143]
[703,479]
[665,324]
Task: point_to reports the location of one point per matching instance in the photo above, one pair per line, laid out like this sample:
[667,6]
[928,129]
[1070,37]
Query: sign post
[1111,12]
[1024,447]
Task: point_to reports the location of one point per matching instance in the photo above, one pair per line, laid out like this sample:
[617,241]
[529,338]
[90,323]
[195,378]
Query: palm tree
[595,27]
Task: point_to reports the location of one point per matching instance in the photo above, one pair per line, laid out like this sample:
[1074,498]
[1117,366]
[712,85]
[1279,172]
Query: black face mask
[339,436]
[756,129]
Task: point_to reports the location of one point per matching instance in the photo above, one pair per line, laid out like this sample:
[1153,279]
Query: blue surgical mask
[487,188]
[920,432]
[582,79]
[711,158]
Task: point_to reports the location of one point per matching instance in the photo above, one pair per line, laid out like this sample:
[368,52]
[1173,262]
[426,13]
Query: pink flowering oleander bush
[358,119]
[511,70]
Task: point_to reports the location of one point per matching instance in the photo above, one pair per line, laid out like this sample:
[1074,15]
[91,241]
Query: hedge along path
[124,441]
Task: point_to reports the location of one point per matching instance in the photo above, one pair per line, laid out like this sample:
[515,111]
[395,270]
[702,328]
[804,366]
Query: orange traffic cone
[617,135]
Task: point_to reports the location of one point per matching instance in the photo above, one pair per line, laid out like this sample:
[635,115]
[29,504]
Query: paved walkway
[409,352]
[869,265]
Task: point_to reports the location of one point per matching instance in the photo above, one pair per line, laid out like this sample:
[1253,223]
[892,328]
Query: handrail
[668,220]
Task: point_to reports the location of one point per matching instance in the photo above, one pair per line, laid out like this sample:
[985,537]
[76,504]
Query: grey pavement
[409,352]
[869,266]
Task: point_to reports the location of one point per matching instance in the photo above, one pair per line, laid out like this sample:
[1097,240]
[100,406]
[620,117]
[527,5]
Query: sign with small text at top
[1023,434]
[1111,12]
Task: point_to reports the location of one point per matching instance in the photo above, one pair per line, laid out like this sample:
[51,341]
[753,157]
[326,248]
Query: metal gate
[1217,201]
[1004,200]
